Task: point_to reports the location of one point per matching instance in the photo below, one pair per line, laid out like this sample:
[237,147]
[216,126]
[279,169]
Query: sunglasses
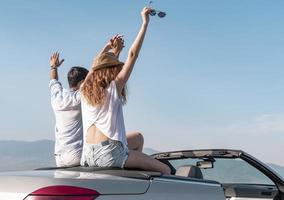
[161,14]
[153,12]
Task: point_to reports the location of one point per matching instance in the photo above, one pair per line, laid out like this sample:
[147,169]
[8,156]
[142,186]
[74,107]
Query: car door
[241,180]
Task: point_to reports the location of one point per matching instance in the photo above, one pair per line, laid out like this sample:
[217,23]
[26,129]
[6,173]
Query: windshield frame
[225,153]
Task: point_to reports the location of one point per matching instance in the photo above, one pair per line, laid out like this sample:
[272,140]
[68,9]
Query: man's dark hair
[75,75]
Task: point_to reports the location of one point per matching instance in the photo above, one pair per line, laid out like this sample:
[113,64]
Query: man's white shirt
[66,105]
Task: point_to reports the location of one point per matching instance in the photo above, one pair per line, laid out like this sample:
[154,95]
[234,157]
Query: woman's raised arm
[133,53]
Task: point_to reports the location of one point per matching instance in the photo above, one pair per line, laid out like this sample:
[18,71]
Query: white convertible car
[196,175]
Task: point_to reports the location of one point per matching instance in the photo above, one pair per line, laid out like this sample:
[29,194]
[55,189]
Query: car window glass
[229,171]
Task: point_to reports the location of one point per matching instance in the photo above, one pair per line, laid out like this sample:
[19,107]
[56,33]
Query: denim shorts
[68,159]
[109,153]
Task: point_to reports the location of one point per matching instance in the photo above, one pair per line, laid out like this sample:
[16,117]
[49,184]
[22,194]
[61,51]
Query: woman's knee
[135,141]
[140,137]
[135,135]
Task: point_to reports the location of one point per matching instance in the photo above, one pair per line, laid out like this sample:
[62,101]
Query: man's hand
[54,64]
[54,60]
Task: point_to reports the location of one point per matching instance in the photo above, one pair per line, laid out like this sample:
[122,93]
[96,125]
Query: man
[66,105]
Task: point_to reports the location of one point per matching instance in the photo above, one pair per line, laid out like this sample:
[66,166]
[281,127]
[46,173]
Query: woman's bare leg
[135,141]
[140,160]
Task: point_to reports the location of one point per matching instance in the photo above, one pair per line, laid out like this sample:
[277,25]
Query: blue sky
[210,74]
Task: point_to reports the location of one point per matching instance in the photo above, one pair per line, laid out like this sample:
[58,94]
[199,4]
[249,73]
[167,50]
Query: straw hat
[106,59]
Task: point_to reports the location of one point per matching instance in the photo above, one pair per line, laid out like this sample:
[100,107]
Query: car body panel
[33,181]
[110,186]
[183,189]
[168,189]
[140,185]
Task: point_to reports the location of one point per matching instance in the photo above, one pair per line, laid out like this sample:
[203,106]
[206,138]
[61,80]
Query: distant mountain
[150,151]
[20,155]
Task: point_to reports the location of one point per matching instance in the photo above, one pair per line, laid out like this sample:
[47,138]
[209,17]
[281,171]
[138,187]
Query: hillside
[20,155]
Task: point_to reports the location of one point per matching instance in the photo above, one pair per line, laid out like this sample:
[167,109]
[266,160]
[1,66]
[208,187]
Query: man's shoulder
[75,93]
[54,82]
[66,99]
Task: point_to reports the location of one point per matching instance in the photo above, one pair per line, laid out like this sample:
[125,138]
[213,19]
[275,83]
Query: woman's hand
[110,44]
[117,45]
[145,14]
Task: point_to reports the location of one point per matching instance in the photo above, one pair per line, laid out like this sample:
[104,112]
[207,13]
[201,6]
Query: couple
[94,104]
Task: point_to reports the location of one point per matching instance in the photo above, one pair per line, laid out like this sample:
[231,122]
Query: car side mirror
[205,164]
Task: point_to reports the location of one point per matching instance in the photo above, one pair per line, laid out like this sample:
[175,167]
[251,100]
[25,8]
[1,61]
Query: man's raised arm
[54,64]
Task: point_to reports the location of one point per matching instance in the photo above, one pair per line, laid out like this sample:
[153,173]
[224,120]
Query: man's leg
[135,141]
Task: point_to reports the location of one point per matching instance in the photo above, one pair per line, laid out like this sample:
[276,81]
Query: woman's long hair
[94,88]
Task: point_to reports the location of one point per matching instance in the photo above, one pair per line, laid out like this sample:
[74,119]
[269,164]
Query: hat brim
[107,65]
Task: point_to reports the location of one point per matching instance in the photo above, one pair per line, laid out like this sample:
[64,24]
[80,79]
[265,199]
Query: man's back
[68,128]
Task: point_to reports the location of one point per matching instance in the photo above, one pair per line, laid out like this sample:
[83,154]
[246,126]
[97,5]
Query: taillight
[62,192]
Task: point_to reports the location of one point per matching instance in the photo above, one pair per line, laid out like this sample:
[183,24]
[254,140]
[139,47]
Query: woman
[103,94]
